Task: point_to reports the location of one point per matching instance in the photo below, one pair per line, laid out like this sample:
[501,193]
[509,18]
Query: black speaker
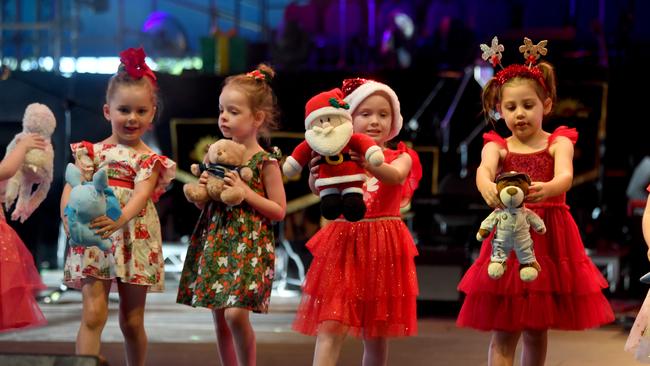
[48,360]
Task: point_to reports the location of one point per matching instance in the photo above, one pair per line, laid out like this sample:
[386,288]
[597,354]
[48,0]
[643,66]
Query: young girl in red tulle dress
[362,279]
[19,278]
[568,292]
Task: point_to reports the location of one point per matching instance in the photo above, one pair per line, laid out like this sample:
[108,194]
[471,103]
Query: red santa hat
[358,89]
[326,104]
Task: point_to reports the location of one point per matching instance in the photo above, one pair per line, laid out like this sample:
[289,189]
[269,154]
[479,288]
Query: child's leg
[329,341]
[225,344]
[94,313]
[502,348]
[535,345]
[375,352]
[242,334]
[132,300]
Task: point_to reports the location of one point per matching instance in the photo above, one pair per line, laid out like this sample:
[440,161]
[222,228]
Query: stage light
[46,63]
[164,35]
[483,74]
[67,65]
[396,37]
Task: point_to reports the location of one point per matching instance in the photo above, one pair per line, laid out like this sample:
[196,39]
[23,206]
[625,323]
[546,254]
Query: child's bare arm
[11,163]
[65,196]
[486,172]
[645,224]
[274,205]
[394,172]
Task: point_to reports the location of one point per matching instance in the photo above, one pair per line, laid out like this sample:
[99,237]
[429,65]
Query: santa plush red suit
[340,179]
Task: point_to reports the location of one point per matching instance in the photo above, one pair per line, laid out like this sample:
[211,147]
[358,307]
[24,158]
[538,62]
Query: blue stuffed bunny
[89,200]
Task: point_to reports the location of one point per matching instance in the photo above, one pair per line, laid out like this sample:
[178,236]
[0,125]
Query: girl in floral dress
[138,176]
[362,279]
[567,294]
[230,261]
[19,278]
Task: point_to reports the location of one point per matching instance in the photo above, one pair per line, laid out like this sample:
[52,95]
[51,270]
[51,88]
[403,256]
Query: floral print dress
[231,257]
[136,254]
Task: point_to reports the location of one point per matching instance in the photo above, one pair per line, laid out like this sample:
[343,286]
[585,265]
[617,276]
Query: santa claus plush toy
[329,133]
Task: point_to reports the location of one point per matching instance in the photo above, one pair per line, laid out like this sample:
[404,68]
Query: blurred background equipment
[164,36]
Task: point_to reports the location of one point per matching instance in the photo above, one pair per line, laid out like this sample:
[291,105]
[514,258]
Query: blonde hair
[492,92]
[260,95]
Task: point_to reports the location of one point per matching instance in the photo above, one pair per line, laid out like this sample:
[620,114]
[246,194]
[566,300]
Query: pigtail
[549,79]
[490,99]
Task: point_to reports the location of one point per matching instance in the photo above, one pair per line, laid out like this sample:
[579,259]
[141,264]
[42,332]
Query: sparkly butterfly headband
[132,61]
[531,53]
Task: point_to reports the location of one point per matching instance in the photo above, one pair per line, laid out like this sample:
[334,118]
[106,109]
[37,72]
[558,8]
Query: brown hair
[122,78]
[257,88]
[491,96]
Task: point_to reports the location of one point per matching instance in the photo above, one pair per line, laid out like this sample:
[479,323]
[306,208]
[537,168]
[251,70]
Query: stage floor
[181,335]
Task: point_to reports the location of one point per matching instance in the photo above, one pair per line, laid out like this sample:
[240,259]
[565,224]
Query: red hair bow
[133,61]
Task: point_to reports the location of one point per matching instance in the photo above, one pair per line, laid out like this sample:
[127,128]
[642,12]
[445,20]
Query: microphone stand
[413,124]
[445,123]
[463,147]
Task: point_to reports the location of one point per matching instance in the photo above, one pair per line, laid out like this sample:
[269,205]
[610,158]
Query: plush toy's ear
[112,205]
[100,180]
[72,175]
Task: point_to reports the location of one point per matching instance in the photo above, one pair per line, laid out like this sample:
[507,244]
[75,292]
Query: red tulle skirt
[567,294]
[363,276]
[19,282]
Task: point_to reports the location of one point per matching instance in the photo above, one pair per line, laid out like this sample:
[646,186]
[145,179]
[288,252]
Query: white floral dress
[136,254]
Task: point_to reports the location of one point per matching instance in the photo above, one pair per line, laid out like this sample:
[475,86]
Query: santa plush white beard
[330,143]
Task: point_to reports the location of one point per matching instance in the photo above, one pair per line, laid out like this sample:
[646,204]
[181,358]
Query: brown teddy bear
[512,228]
[223,155]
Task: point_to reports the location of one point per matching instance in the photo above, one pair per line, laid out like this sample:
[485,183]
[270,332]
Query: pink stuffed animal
[37,168]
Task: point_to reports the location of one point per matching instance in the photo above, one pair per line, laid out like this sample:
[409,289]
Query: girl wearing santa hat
[362,279]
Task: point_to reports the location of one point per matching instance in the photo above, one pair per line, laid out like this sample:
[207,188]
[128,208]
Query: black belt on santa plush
[337,159]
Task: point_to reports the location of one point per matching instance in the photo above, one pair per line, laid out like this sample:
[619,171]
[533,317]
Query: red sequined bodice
[539,165]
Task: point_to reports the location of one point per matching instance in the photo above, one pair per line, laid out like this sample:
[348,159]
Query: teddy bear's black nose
[511,191]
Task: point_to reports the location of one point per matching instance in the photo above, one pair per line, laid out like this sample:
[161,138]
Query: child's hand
[232,179]
[203,178]
[314,163]
[536,192]
[31,141]
[106,226]
[491,196]
[359,159]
